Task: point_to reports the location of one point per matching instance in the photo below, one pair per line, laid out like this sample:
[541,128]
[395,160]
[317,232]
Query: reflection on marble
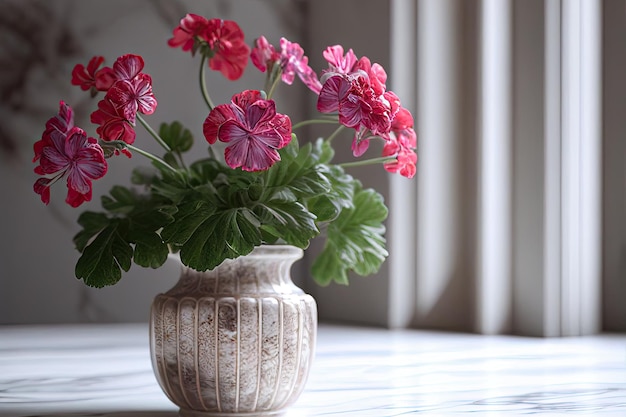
[104,370]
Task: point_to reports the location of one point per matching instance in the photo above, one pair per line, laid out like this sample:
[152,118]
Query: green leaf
[150,250]
[328,267]
[289,221]
[129,232]
[170,187]
[103,259]
[355,240]
[297,172]
[223,234]
[143,176]
[122,200]
[324,150]
[176,136]
[324,208]
[92,224]
[186,221]
[207,234]
[171,160]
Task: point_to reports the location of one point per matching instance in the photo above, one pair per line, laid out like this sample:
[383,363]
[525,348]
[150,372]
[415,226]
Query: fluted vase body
[237,340]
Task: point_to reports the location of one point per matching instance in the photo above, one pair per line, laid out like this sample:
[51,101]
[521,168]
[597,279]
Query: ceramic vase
[238,340]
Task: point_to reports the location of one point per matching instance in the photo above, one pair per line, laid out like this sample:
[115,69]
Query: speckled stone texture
[235,341]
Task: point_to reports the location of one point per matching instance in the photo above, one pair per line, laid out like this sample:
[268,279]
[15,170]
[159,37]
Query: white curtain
[514,222]
[509,179]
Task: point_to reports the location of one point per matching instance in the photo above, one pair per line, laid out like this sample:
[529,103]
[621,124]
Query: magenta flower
[113,124]
[128,88]
[252,128]
[85,78]
[66,151]
[291,59]
[223,40]
[133,95]
[128,91]
[230,51]
[356,102]
[401,143]
[263,55]
[62,123]
[189,29]
[376,74]
[338,63]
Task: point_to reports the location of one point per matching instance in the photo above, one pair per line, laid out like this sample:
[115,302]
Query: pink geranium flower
[222,41]
[85,78]
[291,59]
[263,55]
[401,144]
[338,62]
[230,51]
[66,151]
[128,88]
[133,95]
[62,123]
[113,124]
[189,29]
[128,91]
[355,89]
[252,128]
[356,102]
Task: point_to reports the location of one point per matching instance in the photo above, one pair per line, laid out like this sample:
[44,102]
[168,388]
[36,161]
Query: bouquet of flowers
[266,188]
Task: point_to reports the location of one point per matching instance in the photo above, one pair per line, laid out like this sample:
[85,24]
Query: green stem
[371,161]
[203,89]
[154,134]
[269,93]
[333,135]
[152,157]
[314,121]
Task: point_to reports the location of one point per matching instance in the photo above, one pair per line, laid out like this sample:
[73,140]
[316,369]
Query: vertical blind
[502,229]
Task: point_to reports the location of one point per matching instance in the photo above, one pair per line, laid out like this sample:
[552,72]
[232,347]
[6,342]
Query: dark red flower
[113,124]
[85,78]
[67,153]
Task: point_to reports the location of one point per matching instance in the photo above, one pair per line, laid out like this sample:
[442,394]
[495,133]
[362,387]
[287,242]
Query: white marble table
[104,370]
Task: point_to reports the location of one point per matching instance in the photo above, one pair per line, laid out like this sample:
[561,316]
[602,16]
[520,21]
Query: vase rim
[276,250]
[264,251]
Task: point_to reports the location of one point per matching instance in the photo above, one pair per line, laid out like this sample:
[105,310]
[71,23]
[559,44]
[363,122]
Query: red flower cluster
[128,91]
[221,40]
[66,151]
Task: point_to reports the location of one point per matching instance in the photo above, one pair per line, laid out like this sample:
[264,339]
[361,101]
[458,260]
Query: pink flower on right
[356,90]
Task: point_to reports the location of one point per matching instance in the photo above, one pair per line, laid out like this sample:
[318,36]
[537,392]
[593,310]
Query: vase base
[193,413]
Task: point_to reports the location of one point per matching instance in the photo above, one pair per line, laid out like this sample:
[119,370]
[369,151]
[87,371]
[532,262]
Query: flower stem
[333,135]
[154,134]
[314,121]
[370,161]
[152,157]
[273,87]
[203,89]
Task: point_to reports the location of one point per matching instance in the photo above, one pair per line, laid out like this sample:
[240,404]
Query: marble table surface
[104,370]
